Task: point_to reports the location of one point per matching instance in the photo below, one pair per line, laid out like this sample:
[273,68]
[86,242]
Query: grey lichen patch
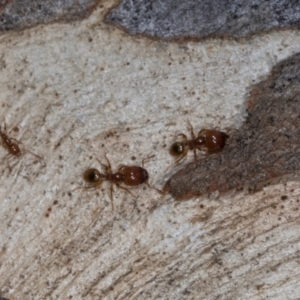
[177,19]
[266,147]
[19,14]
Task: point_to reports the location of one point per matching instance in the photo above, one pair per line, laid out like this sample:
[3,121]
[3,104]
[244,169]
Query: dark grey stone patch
[19,14]
[265,148]
[178,19]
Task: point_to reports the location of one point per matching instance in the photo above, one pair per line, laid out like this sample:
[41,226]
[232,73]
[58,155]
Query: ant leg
[15,128]
[9,167]
[8,157]
[17,141]
[125,189]
[180,158]
[89,187]
[108,162]
[37,156]
[147,158]
[84,188]
[105,167]
[195,155]
[4,127]
[184,154]
[151,187]
[185,138]
[191,129]
[111,196]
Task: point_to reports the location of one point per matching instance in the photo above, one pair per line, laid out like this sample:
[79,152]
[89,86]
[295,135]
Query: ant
[208,140]
[128,175]
[12,145]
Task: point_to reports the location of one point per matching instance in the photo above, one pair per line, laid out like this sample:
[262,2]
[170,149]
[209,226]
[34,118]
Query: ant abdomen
[214,140]
[134,175]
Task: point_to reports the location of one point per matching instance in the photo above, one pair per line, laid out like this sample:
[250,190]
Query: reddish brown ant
[12,145]
[208,140]
[128,175]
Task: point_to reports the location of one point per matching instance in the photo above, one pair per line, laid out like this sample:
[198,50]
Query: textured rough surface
[79,90]
[266,147]
[177,19]
[19,14]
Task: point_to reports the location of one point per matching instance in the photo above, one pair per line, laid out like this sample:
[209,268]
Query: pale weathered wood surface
[77,91]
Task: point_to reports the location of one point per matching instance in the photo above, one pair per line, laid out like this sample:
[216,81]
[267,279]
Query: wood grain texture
[82,90]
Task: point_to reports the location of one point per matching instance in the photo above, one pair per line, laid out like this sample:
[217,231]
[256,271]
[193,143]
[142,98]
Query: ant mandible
[208,140]
[128,175]
[12,145]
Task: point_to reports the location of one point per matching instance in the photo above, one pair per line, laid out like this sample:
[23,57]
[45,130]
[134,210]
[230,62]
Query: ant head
[92,176]
[177,149]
